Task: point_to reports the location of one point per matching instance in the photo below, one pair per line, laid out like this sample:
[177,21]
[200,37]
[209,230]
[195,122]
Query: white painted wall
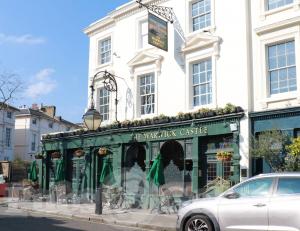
[25,130]
[231,59]
[6,153]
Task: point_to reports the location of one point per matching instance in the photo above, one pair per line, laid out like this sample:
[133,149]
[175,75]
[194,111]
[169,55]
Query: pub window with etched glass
[104,103]
[202,83]
[201,14]
[282,67]
[178,166]
[147,93]
[273,4]
[104,51]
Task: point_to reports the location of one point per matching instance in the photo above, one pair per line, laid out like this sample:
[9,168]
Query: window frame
[140,96]
[99,53]
[8,138]
[108,103]
[9,114]
[261,82]
[33,142]
[286,67]
[266,3]
[189,19]
[205,83]
[34,121]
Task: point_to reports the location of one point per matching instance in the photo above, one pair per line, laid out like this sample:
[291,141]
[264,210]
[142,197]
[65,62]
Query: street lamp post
[92,119]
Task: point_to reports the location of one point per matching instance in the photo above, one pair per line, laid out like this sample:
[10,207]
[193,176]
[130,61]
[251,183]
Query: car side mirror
[232,195]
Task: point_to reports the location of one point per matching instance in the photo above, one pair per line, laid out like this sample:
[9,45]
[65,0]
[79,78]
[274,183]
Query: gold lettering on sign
[171,133]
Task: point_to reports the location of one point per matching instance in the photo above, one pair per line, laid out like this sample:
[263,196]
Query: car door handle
[260,205]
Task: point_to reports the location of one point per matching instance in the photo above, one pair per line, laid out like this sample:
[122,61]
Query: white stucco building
[7,131]
[31,124]
[218,52]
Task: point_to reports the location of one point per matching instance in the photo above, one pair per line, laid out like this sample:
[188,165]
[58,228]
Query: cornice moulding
[277,25]
[124,10]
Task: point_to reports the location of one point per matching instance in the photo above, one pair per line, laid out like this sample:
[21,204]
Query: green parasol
[107,174]
[60,171]
[156,173]
[33,173]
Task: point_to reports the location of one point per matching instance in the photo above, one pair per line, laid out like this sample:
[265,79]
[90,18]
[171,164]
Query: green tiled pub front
[188,150]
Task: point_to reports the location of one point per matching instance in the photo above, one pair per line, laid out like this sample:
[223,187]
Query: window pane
[281,67]
[255,188]
[104,103]
[288,186]
[272,4]
[105,51]
[201,14]
[147,93]
[202,91]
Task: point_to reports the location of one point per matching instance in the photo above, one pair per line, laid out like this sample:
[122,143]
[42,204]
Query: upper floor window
[282,67]
[201,14]
[33,142]
[34,121]
[50,125]
[8,137]
[202,83]
[147,93]
[104,104]
[9,114]
[143,36]
[105,51]
[272,4]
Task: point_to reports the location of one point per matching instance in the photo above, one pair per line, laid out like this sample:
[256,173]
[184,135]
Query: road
[17,220]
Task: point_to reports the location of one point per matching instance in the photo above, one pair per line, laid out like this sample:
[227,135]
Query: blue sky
[43,43]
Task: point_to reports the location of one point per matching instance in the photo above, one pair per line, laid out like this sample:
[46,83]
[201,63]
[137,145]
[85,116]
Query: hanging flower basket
[102,151]
[224,156]
[38,156]
[78,153]
[55,155]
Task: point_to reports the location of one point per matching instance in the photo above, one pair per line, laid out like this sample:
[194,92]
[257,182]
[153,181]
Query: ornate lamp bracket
[165,12]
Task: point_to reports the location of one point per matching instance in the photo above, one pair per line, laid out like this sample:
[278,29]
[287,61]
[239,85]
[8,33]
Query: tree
[269,145]
[10,85]
[292,159]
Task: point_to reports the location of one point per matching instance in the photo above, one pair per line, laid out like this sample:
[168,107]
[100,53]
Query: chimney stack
[49,110]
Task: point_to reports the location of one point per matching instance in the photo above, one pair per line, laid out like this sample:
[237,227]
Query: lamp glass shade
[92,119]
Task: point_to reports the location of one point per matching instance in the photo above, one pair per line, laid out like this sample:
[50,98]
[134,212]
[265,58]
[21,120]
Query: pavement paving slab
[131,218]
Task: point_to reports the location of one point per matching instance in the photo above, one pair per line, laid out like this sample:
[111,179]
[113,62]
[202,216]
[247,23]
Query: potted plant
[55,155]
[102,151]
[78,153]
[229,108]
[125,124]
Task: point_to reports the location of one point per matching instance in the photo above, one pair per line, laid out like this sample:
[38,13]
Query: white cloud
[41,84]
[27,39]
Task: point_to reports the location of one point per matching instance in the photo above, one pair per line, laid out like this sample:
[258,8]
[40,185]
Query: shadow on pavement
[24,223]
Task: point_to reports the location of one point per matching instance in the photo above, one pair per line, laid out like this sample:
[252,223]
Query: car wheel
[198,223]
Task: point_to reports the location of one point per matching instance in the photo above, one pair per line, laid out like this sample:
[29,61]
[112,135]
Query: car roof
[279,174]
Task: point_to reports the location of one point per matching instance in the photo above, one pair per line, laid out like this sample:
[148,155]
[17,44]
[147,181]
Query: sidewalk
[132,218]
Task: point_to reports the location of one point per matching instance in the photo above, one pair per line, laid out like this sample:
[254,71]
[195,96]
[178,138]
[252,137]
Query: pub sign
[157,32]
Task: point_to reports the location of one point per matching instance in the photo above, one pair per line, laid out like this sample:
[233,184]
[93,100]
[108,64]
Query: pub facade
[175,84]
[188,149]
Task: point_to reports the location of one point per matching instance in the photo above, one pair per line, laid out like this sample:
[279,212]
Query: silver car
[264,202]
